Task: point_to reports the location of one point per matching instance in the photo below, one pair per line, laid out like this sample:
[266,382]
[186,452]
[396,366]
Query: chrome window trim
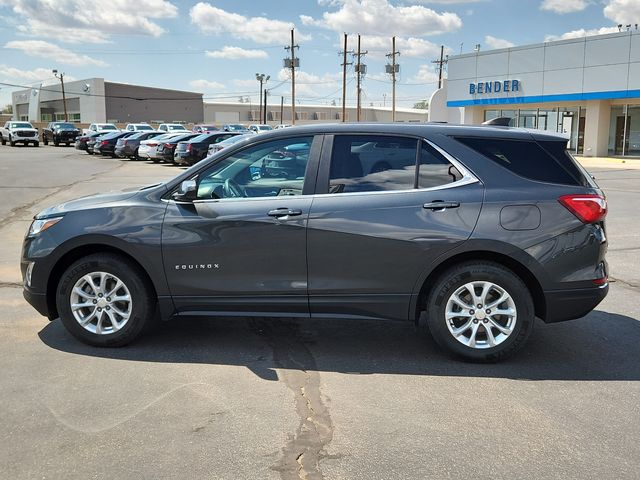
[467,179]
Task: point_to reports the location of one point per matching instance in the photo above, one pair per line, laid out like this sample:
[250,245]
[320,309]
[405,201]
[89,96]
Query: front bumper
[37,301]
[565,305]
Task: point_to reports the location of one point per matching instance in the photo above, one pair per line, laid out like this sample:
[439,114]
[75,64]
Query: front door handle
[440,205]
[284,212]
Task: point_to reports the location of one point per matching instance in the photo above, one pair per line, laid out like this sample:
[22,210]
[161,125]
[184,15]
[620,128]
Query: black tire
[46,141]
[454,278]
[4,142]
[56,143]
[36,144]
[11,142]
[143,299]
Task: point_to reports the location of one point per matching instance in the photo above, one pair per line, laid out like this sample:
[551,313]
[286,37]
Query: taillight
[169,145]
[189,147]
[589,208]
[104,142]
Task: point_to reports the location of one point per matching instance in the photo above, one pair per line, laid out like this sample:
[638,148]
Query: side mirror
[187,192]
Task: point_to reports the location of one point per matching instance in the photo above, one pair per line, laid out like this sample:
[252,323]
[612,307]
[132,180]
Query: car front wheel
[480,311]
[105,300]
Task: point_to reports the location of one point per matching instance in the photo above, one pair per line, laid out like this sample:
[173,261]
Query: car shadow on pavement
[602,346]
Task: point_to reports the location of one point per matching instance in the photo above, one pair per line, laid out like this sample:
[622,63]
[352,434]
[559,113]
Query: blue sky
[216,47]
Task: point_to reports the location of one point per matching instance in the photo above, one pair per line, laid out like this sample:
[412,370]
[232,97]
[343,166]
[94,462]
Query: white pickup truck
[19,132]
[100,128]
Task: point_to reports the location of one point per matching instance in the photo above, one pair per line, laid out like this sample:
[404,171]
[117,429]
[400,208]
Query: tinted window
[558,150]
[270,169]
[435,170]
[367,163]
[525,158]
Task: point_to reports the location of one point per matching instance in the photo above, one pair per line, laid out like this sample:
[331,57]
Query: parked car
[204,128]
[478,233]
[106,144]
[19,132]
[260,128]
[194,150]
[148,148]
[127,147]
[91,142]
[82,141]
[235,127]
[138,127]
[171,127]
[100,128]
[166,148]
[60,132]
[282,125]
[216,147]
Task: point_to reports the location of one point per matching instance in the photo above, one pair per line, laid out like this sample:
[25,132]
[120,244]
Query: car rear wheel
[480,311]
[46,141]
[104,300]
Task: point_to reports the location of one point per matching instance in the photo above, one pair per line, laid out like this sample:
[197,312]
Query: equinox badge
[198,266]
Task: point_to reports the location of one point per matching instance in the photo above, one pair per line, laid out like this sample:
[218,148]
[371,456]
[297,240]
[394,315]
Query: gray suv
[473,231]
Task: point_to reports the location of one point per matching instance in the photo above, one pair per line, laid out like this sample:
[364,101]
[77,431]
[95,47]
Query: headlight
[39,226]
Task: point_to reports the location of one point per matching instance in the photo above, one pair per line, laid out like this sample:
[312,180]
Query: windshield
[65,126]
[107,127]
[234,127]
[21,125]
[175,127]
[232,140]
[264,127]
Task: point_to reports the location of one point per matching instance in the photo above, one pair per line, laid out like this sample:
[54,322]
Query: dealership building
[96,100]
[587,88]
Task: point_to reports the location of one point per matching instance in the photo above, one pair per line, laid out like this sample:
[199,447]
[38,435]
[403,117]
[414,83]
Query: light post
[262,78]
[64,98]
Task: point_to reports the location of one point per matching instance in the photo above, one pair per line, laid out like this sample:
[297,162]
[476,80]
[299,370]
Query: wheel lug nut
[108,308]
[472,312]
[95,301]
[488,311]
[100,295]
[475,320]
[108,299]
[479,305]
[485,320]
[99,309]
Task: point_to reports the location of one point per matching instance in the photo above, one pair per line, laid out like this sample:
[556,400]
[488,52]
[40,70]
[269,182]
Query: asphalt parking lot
[254,398]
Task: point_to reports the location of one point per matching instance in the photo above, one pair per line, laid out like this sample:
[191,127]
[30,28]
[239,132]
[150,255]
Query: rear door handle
[440,205]
[284,212]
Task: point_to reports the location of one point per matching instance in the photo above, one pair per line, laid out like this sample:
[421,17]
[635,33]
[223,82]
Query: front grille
[26,133]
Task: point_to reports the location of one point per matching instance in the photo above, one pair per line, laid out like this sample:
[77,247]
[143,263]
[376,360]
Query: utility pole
[393,69]
[361,69]
[441,63]
[281,109]
[263,79]
[64,98]
[292,63]
[344,78]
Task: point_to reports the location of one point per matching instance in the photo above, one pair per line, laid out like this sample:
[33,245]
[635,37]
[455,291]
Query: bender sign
[494,87]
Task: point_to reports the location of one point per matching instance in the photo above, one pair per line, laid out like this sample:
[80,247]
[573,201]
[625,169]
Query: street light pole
[64,98]
[262,78]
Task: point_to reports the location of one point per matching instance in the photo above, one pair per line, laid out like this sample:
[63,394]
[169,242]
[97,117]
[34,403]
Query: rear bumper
[565,305]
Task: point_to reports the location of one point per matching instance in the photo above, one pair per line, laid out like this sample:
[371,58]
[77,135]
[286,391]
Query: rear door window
[529,159]
[373,163]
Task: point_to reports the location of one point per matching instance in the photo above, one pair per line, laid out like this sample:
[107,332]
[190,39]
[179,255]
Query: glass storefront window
[512,114]
[527,118]
[548,120]
[624,130]
[633,130]
[491,114]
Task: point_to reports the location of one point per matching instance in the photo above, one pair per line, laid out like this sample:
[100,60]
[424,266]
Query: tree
[8,109]
[422,105]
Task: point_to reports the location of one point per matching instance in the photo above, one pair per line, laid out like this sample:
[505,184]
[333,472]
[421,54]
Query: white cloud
[378,46]
[79,21]
[379,17]
[564,6]
[55,53]
[310,84]
[213,20]
[426,74]
[495,42]
[37,74]
[236,53]
[206,85]
[580,33]
[623,11]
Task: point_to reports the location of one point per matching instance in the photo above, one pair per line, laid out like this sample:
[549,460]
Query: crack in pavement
[16,213]
[625,283]
[305,449]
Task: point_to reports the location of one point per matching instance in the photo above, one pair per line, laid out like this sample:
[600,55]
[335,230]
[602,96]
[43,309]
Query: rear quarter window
[546,161]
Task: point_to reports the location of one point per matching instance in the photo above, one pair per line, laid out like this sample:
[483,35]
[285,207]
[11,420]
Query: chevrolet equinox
[473,230]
